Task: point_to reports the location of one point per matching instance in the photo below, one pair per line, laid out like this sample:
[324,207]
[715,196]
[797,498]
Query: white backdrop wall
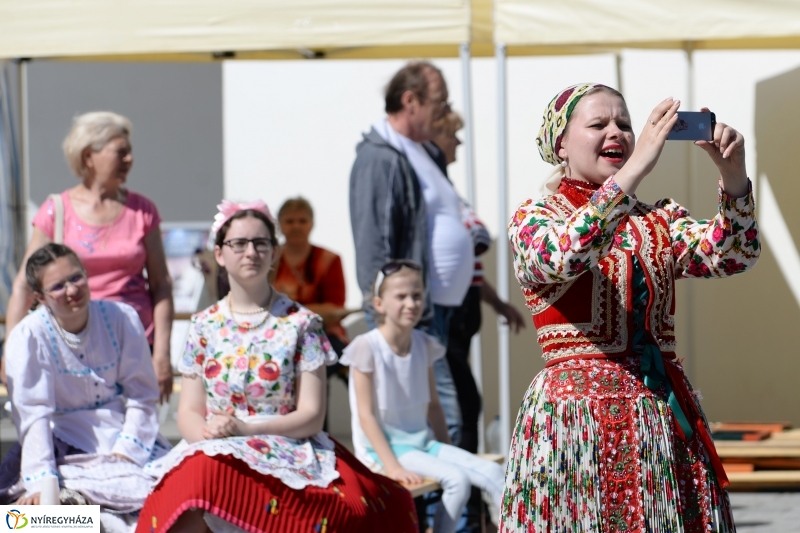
[291,128]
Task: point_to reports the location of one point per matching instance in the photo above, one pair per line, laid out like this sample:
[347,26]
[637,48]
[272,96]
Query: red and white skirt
[358,500]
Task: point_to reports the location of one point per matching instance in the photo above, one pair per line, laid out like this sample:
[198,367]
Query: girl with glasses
[254,456]
[398,423]
[84,394]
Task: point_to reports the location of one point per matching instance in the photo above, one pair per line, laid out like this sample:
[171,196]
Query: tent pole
[469,144]
[23,236]
[502,247]
[690,363]
[476,361]
[618,61]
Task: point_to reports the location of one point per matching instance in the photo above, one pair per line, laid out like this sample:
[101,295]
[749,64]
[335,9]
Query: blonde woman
[114,231]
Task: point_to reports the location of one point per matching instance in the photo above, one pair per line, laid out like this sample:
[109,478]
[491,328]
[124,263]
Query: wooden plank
[752,450]
[429,485]
[789,434]
[750,426]
[738,467]
[738,436]
[769,443]
[765,463]
[764,479]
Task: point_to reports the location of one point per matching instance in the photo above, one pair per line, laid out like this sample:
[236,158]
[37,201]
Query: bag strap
[58,221]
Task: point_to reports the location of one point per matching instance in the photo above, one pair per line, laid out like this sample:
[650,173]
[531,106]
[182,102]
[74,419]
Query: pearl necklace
[82,335]
[246,325]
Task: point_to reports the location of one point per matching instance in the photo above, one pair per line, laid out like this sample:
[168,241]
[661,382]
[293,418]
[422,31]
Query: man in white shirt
[403,207]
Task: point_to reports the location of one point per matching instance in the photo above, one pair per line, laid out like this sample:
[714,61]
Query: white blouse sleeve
[140,389]
[32,389]
[313,347]
[435,349]
[358,354]
[194,354]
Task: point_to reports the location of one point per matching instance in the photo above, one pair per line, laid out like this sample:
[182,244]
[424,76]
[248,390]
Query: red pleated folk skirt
[359,500]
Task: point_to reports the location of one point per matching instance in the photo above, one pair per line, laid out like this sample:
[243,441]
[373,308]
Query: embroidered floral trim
[298,463]
[137,442]
[606,198]
[41,475]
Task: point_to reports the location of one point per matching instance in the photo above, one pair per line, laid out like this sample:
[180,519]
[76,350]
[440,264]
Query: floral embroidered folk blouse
[559,238]
[254,371]
[610,436]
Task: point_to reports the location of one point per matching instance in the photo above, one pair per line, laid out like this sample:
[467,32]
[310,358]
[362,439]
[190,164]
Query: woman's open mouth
[613,153]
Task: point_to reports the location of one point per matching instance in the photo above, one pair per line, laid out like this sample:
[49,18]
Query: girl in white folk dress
[84,396]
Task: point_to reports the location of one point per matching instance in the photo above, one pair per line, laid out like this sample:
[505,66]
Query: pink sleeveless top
[113,254]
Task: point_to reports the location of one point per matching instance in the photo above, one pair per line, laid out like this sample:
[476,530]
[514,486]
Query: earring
[564,164]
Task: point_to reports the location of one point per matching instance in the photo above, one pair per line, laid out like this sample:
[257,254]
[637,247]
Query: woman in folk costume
[610,436]
[84,394]
[254,456]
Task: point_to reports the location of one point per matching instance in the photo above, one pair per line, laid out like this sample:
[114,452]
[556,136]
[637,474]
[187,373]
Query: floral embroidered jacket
[573,257]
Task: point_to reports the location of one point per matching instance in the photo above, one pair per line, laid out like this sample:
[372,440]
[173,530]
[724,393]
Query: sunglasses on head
[392,267]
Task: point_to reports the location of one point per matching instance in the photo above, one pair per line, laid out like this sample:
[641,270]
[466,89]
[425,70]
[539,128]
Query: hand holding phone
[693,126]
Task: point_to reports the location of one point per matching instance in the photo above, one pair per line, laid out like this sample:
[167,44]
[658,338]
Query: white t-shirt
[401,392]
[451,253]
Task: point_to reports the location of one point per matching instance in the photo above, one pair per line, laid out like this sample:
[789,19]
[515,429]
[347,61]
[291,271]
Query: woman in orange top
[310,275]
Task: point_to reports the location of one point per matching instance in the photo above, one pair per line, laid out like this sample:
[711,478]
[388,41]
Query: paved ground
[754,512]
[766,512]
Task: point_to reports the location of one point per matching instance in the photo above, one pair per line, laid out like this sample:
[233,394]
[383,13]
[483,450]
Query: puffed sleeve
[139,387]
[716,248]
[550,249]
[32,389]
[358,354]
[194,355]
[435,348]
[313,347]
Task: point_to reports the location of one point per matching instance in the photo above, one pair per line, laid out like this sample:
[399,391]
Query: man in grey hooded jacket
[387,207]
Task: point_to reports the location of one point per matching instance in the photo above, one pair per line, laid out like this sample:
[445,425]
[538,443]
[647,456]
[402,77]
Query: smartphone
[693,126]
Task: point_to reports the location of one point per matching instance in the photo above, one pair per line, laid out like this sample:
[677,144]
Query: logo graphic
[18,517]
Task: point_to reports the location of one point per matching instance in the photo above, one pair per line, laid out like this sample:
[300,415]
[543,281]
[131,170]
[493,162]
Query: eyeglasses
[76,280]
[392,267]
[238,246]
[441,104]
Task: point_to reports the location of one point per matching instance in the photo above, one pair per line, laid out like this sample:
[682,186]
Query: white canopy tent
[207,30]
[192,30]
[202,30]
[539,27]
[183,29]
